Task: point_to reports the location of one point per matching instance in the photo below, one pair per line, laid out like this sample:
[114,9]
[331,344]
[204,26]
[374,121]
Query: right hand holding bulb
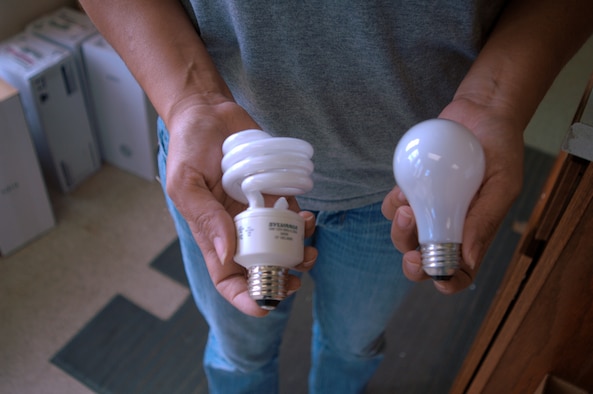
[197,131]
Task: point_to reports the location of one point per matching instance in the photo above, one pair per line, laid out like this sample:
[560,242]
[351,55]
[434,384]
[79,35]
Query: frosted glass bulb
[439,165]
[270,240]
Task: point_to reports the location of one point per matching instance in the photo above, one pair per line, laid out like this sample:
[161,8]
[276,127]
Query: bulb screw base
[267,285]
[440,260]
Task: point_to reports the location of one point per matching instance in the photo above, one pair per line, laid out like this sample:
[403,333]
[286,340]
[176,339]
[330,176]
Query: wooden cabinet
[541,320]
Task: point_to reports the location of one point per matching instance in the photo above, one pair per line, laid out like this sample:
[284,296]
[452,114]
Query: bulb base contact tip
[440,260]
[267,285]
[268,305]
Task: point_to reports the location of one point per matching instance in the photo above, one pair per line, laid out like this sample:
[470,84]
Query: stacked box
[126,119]
[69,28]
[50,87]
[25,209]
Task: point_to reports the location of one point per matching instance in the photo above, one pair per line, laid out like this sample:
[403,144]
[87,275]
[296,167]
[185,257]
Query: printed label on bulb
[278,230]
[244,231]
[269,236]
[284,231]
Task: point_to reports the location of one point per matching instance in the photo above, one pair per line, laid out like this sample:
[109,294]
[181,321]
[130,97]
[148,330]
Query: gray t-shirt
[350,77]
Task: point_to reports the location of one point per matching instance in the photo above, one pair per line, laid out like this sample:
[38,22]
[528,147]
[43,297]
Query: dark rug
[126,350]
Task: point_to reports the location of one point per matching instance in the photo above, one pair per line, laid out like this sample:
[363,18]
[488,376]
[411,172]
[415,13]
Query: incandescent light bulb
[439,165]
[270,240]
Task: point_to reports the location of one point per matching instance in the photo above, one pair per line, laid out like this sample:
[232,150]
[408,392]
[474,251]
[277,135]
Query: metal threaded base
[440,260]
[267,285]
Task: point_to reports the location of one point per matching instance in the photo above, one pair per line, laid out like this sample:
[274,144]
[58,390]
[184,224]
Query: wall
[16,14]
[554,115]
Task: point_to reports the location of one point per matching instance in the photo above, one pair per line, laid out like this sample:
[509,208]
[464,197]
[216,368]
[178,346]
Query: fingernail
[309,263]
[220,248]
[474,256]
[310,218]
[403,219]
[291,292]
[441,285]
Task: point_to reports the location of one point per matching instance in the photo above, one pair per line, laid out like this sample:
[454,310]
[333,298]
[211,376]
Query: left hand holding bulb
[503,146]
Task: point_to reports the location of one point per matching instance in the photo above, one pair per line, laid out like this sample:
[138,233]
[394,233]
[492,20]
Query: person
[350,78]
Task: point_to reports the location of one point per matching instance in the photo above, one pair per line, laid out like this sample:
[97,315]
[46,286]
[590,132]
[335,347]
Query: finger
[412,266]
[403,229]
[210,223]
[392,201]
[293,284]
[234,289]
[310,257]
[309,222]
[462,279]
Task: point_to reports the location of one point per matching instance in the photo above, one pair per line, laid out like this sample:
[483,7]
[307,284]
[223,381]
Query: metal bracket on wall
[579,141]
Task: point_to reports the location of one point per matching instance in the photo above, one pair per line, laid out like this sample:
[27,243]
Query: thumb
[213,229]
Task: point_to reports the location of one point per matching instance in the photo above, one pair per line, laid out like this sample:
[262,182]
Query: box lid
[27,54]
[65,26]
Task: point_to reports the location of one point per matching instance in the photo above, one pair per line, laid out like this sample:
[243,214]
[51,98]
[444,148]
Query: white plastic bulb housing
[439,165]
[270,240]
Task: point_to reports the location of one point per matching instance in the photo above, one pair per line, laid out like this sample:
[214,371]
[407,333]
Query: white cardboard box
[126,119]
[50,88]
[25,209]
[69,28]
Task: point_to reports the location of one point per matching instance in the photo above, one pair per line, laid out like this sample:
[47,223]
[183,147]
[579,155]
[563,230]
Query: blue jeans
[358,285]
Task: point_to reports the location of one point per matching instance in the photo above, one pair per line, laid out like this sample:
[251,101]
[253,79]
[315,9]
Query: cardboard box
[126,119]
[554,385]
[50,87]
[69,28]
[25,209]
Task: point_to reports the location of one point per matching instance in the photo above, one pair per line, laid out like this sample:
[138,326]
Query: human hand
[501,138]
[198,128]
